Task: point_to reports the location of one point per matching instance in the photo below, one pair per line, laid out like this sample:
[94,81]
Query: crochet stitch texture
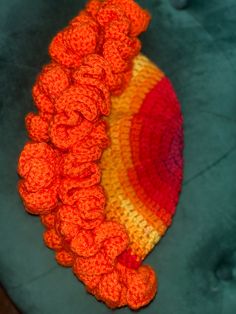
[103,212]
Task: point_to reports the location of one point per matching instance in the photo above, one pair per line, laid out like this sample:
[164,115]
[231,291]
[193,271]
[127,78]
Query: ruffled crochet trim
[59,167]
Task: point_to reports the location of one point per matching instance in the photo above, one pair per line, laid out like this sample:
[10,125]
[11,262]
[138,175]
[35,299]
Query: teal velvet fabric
[196,260]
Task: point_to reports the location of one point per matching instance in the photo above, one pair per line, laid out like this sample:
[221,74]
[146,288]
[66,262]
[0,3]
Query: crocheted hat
[105,188]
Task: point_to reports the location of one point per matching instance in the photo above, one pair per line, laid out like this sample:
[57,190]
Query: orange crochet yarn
[91,60]
[103,167]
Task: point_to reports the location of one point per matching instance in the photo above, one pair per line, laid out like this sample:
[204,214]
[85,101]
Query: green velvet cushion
[196,260]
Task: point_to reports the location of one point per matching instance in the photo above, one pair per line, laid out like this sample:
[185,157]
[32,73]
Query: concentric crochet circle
[142,168]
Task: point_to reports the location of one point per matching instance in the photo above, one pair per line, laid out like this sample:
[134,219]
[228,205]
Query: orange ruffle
[59,167]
